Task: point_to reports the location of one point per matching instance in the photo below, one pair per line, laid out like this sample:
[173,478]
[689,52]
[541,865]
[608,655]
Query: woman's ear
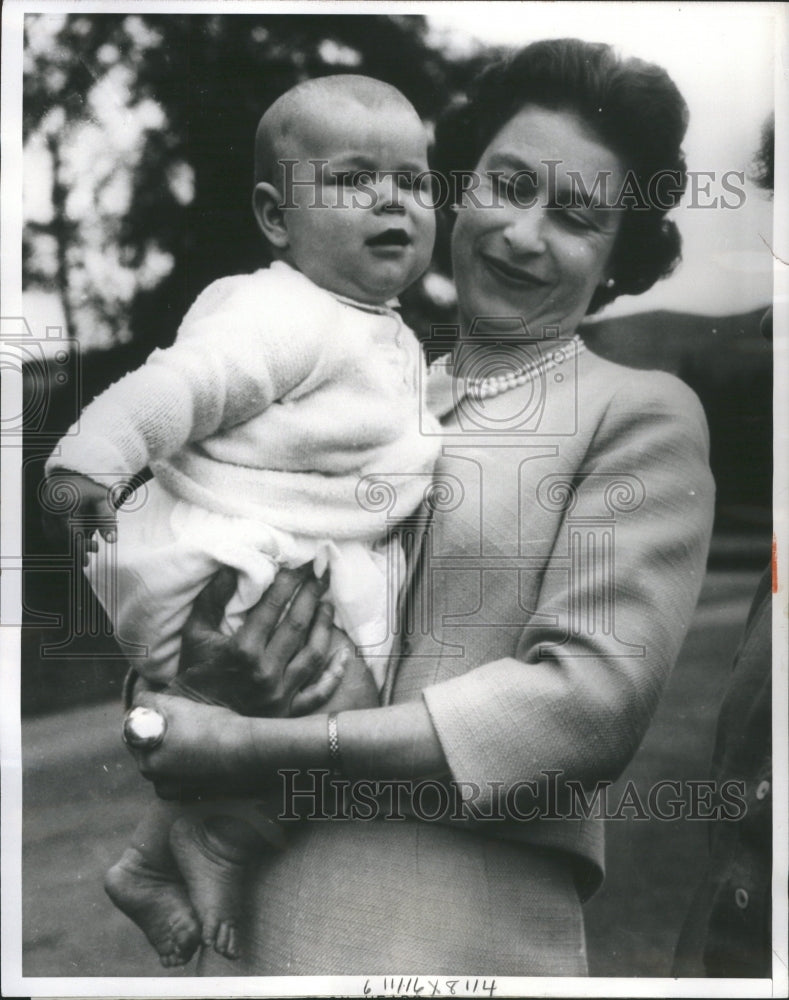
[270,217]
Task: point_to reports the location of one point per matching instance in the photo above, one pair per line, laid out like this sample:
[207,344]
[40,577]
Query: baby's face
[359,227]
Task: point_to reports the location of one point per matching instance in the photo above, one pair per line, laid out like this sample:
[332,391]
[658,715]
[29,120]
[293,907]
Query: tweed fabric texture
[388,897]
[551,601]
[515,685]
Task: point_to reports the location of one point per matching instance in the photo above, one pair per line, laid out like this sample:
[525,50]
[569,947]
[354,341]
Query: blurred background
[137,182]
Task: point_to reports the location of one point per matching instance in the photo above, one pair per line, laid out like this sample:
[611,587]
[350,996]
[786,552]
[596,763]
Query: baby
[284,390]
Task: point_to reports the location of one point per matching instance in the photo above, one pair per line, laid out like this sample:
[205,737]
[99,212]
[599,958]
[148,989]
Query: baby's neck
[379,306]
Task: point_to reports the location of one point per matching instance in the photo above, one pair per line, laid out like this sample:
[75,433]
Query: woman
[554,586]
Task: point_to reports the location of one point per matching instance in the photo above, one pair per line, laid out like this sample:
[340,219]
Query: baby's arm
[176,396]
[182,394]
[224,369]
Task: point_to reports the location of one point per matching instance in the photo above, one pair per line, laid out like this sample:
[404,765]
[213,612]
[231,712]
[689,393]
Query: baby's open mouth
[390,238]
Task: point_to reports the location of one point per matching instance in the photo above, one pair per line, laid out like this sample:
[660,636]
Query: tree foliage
[140,126]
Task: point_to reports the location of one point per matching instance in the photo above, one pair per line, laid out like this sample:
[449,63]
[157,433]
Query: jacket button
[763,789]
[741,898]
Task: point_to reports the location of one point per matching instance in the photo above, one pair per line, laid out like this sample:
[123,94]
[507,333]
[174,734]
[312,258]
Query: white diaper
[168,549]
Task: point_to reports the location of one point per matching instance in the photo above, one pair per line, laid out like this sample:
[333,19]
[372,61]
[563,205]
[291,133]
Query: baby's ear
[266,201]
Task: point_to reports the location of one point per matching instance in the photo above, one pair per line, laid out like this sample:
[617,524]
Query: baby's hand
[91,508]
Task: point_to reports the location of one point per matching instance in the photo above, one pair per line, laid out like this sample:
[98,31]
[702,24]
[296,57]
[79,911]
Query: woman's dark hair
[632,106]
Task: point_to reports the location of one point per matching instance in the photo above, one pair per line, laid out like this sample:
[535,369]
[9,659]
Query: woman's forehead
[558,138]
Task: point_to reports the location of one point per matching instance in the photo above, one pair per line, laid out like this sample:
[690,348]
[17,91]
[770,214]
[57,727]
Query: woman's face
[527,248]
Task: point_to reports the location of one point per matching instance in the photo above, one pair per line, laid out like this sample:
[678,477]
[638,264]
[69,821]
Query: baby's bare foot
[157,904]
[212,856]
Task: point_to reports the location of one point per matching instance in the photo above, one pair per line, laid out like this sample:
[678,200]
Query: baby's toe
[233,950]
[222,940]
[210,931]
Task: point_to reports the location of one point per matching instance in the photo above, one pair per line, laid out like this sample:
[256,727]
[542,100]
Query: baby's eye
[351,178]
[362,178]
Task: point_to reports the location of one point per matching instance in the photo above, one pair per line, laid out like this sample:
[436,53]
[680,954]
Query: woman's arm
[216,750]
[581,689]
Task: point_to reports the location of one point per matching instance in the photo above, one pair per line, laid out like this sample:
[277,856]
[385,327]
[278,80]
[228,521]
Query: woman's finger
[315,695]
[311,661]
[291,633]
[194,751]
[263,618]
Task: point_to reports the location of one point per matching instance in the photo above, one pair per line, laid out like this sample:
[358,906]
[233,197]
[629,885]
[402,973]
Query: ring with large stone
[143,728]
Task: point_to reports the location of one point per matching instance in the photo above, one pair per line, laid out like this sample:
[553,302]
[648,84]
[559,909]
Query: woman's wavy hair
[632,106]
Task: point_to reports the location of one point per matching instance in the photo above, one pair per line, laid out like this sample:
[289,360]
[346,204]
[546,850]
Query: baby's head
[335,163]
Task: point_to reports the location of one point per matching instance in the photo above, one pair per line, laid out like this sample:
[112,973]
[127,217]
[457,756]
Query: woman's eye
[573,219]
[519,189]
[499,183]
[524,188]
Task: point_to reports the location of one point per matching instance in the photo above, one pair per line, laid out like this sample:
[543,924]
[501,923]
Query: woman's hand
[202,751]
[277,664]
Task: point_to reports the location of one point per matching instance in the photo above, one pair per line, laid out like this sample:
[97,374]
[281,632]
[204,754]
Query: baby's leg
[213,848]
[213,853]
[146,885]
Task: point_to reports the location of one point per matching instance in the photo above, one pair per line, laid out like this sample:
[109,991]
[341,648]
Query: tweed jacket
[554,587]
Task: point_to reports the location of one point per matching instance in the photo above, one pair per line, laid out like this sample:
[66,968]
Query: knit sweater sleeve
[228,364]
[578,698]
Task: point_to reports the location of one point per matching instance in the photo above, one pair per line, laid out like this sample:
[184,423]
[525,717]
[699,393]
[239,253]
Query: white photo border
[13,980]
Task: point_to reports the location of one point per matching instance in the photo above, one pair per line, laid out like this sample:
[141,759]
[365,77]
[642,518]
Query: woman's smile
[511,273]
[536,260]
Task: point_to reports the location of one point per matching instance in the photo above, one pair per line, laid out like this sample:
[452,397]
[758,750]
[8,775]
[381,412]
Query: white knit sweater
[275,400]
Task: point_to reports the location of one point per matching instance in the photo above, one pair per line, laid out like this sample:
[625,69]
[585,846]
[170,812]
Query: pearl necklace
[494,385]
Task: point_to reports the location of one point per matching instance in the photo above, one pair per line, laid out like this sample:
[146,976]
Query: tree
[141,126]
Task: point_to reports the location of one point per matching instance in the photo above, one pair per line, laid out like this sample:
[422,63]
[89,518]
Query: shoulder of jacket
[640,390]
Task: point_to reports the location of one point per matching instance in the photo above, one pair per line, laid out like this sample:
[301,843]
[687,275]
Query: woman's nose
[525,231]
